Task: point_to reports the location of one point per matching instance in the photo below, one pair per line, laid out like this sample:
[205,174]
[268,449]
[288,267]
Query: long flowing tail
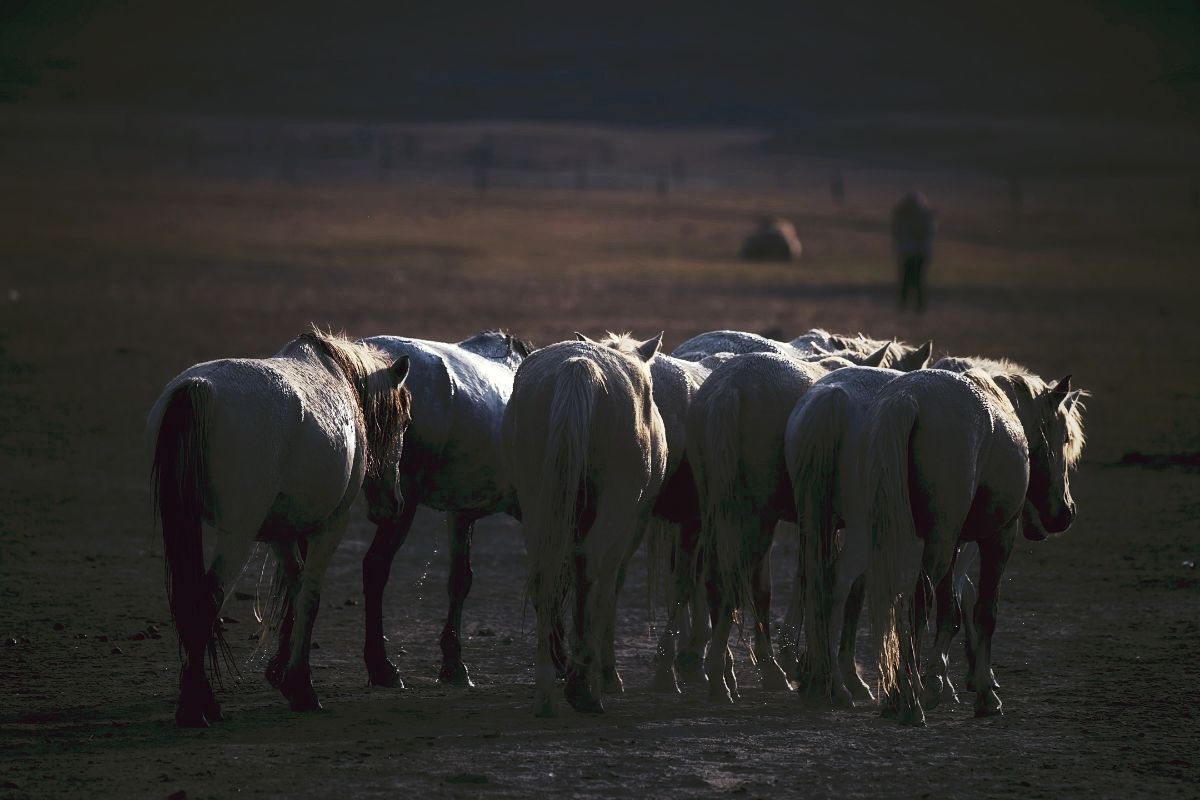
[718,473]
[179,481]
[553,518]
[893,573]
[815,452]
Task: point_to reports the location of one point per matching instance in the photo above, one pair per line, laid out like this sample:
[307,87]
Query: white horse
[735,447]
[452,462]
[276,450]
[821,446]
[949,459]
[587,453]
[675,523]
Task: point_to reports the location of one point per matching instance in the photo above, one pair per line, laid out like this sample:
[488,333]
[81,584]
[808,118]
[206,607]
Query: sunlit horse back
[272,449]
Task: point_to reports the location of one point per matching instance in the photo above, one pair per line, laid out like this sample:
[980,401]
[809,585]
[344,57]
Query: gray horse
[452,462]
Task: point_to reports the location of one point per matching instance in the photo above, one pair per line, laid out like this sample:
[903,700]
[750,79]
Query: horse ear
[399,369]
[648,348]
[876,359]
[1061,391]
[583,338]
[920,359]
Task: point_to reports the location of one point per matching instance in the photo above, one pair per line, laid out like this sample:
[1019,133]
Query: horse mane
[383,413]
[621,342]
[1014,379]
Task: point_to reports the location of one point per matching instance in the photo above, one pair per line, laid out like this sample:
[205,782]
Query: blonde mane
[384,410]
[1021,387]
[621,342]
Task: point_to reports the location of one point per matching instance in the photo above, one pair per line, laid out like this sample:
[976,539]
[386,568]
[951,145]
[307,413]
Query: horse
[951,458]
[586,451]
[737,427]
[735,447]
[452,462]
[272,449]
[821,448]
[675,520]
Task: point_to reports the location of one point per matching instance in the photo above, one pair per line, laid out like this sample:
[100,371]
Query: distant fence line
[470,155]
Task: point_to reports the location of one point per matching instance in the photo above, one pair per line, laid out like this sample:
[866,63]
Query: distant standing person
[913,227]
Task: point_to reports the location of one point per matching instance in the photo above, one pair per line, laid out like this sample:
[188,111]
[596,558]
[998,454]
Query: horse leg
[297,679]
[579,689]
[937,559]
[546,671]
[993,557]
[837,627]
[771,674]
[376,568]
[679,594]
[718,664]
[461,527]
[200,635]
[690,660]
[966,601]
[789,636]
[288,561]
[937,679]
[611,679]
[847,664]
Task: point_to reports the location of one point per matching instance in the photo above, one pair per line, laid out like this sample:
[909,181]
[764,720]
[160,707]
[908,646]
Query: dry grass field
[114,280]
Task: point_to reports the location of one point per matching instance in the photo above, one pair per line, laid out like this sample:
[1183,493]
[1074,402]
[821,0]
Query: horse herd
[898,474]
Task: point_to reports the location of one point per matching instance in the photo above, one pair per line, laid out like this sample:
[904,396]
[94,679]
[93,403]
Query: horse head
[625,343]
[1055,444]
[500,346]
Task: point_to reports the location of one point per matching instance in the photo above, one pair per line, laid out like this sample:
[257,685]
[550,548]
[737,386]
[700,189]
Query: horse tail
[562,489]
[891,578]
[182,494]
[815,450]
[721,542]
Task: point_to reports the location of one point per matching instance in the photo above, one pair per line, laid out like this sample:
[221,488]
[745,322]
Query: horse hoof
[456,675]
[384,674]
[861,693]
[580,696]
[307,704]
[773,678]
[212,711]
[913,716]
[190,717]
[545,709]
[988,704]
[613,683]
[665,682]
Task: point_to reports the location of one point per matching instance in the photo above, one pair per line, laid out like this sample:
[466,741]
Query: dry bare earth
[119,282]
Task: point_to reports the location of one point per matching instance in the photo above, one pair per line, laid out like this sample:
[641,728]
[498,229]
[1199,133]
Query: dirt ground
[112,282]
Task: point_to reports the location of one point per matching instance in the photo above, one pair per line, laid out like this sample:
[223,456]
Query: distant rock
[774,240]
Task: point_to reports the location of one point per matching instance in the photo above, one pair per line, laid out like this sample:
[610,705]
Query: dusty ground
[111,283]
